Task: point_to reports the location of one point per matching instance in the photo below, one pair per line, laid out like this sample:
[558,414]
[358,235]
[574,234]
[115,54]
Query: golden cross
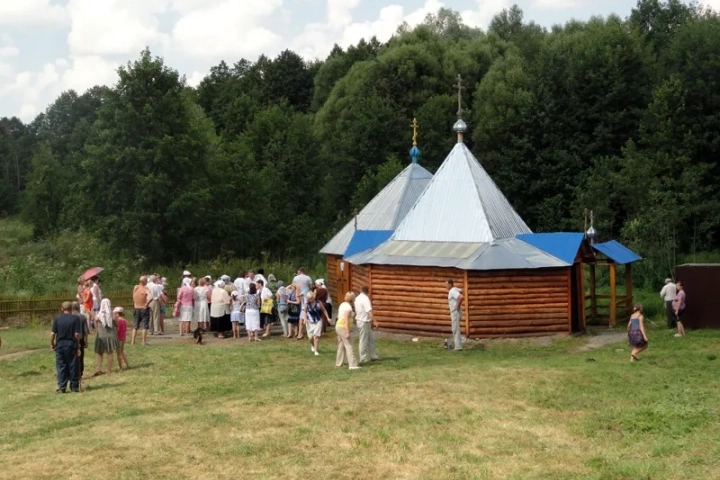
[460,88]
[415,130]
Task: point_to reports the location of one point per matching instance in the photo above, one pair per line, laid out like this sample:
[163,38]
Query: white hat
[320,282]
[235,293]
[118,310]
[186,273]
[208,277]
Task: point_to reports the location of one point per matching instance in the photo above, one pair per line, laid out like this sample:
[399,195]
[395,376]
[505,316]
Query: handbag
[267,306]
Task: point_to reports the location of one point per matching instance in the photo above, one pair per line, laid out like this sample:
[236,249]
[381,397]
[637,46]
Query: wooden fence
[48,305]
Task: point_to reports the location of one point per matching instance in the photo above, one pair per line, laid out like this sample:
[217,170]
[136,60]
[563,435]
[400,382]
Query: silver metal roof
[386,210]
[460,204]
[504,254]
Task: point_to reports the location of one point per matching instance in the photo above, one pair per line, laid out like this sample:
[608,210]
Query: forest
[266,159]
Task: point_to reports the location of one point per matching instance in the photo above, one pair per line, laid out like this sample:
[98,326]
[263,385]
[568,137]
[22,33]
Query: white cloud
[230,28]
[6,71]
[114,27]
[31,13]
[339,12]
[557,4]
[29,88]
[88,71]
[486,10]
[317,40]
[9,51]
[195,78]
[28,111]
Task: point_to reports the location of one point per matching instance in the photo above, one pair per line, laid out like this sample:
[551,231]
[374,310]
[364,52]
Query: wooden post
[581,288]
[593,298]
[628,290]
[569,298]
[466,304]
[613,297]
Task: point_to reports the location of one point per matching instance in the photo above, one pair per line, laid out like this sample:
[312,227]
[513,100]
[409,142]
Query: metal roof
[504,254]
[386,209]
[460,204]
[564,246]
[617,252]
[365,239]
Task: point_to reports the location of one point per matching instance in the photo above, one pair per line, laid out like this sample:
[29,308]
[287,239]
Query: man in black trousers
[65,342]
[84,334]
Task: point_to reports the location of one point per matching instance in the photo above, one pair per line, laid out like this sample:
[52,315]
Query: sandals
[634,358]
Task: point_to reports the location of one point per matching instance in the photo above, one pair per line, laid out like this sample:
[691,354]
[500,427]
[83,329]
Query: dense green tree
[266,158]
[147,151]
[46,189]
[16,149]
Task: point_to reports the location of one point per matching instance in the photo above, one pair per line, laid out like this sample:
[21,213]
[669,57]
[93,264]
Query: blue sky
[48,46]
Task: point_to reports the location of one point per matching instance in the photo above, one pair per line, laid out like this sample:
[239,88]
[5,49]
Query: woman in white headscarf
[219,316]
[106,341]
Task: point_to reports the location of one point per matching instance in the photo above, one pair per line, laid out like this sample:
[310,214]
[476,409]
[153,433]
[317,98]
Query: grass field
[535,409]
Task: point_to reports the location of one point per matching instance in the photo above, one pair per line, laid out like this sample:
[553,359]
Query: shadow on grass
[103,386]
[139,366]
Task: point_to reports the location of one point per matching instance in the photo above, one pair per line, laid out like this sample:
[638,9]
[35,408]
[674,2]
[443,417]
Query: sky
[49,46]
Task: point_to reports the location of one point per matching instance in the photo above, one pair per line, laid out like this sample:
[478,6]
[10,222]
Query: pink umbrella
[91,273]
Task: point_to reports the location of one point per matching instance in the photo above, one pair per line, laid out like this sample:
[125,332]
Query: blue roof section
[617,252]
[563,246]
[366,239]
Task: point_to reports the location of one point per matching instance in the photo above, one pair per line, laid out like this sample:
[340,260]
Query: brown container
[702,305]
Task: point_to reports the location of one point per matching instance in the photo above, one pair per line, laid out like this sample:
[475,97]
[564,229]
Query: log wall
[359,277]
[519,302]
[413,300]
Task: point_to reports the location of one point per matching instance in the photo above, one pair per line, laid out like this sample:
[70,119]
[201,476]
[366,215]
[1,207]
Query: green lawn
[534,409]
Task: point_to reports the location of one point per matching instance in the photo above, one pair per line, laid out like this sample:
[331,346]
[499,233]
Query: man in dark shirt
[65,342]
[84,333]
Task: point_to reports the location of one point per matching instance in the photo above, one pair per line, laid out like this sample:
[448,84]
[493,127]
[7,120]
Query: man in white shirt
[455,300]
[302,281]
[668,293]
[240,284]
[366,323]
[154,305]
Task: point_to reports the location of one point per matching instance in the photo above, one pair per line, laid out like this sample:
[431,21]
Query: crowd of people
[253,303]
[222,307]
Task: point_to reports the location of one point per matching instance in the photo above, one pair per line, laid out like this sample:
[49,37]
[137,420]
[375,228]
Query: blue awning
[561,245]
[366,239]
[617,252]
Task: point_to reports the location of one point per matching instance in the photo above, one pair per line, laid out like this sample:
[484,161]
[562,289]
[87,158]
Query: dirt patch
[11,356]
[601,340]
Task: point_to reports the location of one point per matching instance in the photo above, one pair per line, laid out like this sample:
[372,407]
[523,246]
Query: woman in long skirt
[202,312]
[293,313]
[252,313]
[219,319]
[106,341]
[637,338]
